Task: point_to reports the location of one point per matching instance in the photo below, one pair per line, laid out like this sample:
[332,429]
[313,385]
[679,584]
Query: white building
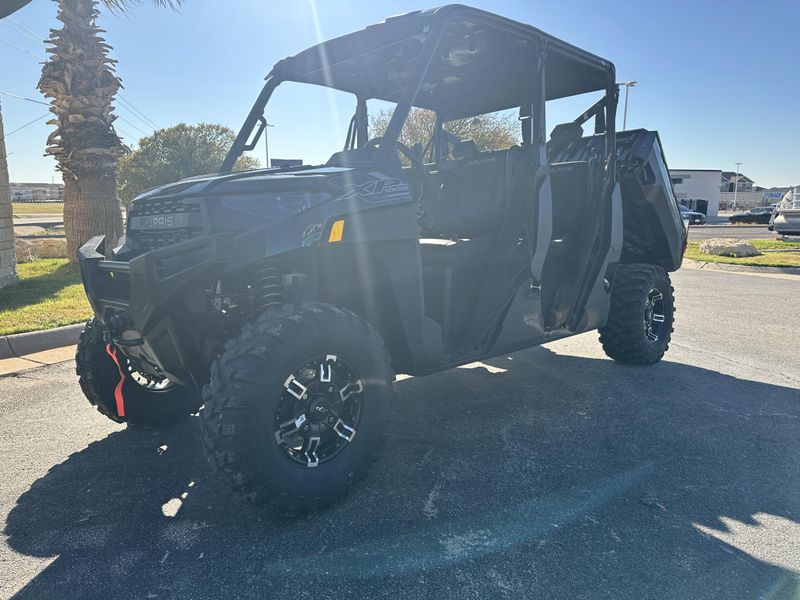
[747,200]
[699,189]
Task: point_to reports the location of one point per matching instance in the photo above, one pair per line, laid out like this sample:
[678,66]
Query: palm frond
[119,6]
[79,80]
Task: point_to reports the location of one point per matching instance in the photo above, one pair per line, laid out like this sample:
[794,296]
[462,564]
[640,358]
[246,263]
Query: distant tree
[174,153]
[492,131]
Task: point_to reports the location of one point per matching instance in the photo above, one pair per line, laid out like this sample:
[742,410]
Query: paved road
[551,473]
[39,220]
[748,232]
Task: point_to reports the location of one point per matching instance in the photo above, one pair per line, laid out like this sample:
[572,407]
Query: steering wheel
[417,163]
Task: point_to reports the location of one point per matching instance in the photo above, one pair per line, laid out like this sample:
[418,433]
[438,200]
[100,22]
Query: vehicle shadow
[535,475]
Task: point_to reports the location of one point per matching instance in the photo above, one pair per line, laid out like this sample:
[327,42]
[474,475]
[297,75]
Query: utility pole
[628,85]
[736,184]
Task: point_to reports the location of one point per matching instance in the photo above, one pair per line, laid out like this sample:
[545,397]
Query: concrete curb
[715,266]
[20,344]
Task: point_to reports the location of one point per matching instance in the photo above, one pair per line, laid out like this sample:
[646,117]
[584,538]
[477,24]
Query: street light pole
[628,85]
[736,184]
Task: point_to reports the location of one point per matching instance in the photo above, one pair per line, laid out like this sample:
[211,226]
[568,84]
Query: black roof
[479,67]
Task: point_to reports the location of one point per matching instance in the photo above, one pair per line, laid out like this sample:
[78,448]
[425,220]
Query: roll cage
[458,62]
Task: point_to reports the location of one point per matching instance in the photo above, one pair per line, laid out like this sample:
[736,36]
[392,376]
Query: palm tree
[79,78]
[80,81]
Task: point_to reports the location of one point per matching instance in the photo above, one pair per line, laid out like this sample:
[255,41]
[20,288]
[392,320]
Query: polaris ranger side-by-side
[284,300]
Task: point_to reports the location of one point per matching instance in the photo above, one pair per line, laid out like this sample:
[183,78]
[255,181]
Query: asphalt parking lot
[550,473]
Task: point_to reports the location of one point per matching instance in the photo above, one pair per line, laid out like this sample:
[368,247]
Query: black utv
[281,302]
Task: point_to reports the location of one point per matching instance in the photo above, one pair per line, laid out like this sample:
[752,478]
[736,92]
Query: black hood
[244,181]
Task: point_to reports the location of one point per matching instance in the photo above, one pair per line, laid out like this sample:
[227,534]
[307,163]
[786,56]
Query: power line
[118,116]
[123,119]
[24,98]
[126,135]
[136,111]
[21,26]
[28,123]
[39,57]
[20,30]
[17,75]
[133,114]
[125,103]
[143,119]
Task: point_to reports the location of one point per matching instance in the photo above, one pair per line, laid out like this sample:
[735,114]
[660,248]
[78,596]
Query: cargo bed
[653,228]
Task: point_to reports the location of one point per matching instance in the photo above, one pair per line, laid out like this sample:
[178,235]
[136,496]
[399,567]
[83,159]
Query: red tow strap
[112,352]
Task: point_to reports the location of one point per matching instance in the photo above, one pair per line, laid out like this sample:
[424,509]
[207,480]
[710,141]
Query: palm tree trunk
[91,208]
[8,260]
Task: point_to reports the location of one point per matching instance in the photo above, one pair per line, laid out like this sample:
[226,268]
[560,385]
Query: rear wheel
[639,325]
[147,400]
[297,406]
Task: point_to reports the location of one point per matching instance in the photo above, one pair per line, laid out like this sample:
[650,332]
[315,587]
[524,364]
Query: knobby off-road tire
[250,386]
[98,377]
[642,295]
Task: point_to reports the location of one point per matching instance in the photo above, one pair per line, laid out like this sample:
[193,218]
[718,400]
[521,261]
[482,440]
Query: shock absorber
[267,285]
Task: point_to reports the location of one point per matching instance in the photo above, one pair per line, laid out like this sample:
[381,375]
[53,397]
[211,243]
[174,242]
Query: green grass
[49,294]
[48,208]
[771,257]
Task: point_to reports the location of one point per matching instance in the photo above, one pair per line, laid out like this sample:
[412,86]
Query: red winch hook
[112,352]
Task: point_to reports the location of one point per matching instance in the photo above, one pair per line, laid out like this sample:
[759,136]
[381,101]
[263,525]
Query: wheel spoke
[325,369]
[657,318]
[656,296]
[310,451]
[354,387]
[289,427]
[651,336]
[296,389]
[344,431]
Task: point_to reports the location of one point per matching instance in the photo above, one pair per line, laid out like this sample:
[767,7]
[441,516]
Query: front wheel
[640,319]
[144,400]
[297,405]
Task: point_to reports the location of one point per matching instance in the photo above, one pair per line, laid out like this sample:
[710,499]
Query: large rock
[25,250]
[31,248]
[728,247]
[51,247]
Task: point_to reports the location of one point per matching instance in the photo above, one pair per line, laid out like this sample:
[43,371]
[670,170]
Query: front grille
[150,240]
[188,222]
[163,206]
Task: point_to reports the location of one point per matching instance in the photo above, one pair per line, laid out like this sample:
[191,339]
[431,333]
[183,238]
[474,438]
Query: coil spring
[267,286]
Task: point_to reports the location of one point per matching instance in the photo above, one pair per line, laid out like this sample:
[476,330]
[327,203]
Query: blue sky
[719,80]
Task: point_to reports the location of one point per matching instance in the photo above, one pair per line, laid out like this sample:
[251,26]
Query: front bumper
[142,301]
